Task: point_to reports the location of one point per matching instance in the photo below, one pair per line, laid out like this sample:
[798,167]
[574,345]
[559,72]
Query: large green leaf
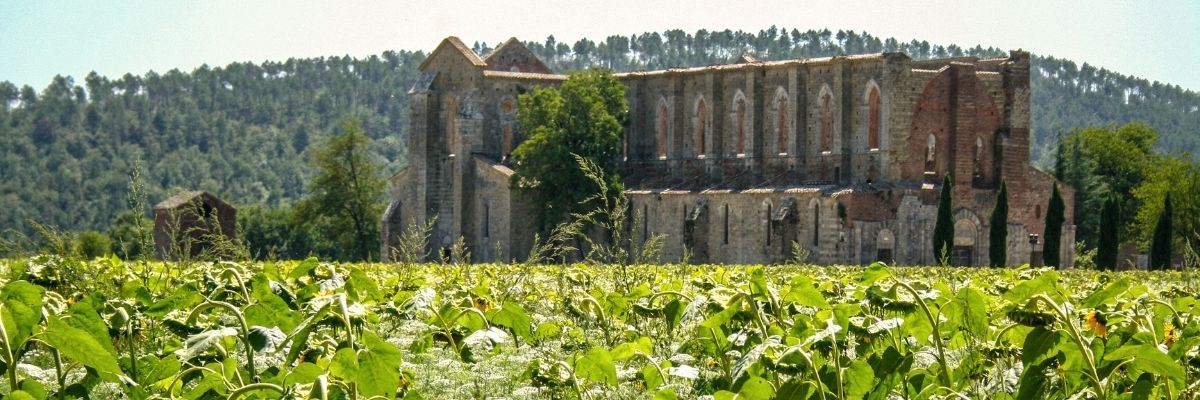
[596,365]
[344,364]
[1147,358]
[359,284]
[79,345]
[1040,344]
[756,388]
[1106,295]
[722,317]
[1044,283]
[83,316]
[269,309]
[181,298]
[262,337]
[673,313]
[303,268]
[874,273]
[513,316]
[21,395]
[858,379]
[625,351]
[379,367]
[969,311]
[22,310]
[803,292]
[758,284]
[1034,383]
[199,343]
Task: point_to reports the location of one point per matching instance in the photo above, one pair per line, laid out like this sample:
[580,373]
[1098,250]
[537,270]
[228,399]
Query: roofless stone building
[843,156]
[188,222]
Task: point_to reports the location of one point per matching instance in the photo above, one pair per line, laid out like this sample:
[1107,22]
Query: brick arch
[968,235]
[978,117]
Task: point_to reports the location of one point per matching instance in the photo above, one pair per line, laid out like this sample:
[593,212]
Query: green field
[75,329]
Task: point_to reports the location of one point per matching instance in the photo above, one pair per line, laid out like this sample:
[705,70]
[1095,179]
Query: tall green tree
[582,117]
[1110,235]
[1052,250]
[1160,245]
[1180,178]
[345,198]
[1103,162]
[998,234]
[943,229]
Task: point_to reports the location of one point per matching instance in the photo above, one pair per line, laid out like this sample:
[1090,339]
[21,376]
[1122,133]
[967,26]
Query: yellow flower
[1097,322]
[482,304]
[1170,335]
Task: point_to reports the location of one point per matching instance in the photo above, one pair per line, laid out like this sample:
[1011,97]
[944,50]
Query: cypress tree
[998,237]
[1160,244]
[1054,222]
[1059,166]
[943,230]
[1110,242]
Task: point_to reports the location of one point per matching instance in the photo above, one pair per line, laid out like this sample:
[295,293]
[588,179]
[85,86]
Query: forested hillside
[243,130]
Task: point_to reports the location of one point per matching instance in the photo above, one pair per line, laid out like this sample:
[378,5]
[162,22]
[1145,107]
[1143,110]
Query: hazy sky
[1154,40]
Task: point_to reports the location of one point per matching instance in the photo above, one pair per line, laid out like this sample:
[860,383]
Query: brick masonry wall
[977,109]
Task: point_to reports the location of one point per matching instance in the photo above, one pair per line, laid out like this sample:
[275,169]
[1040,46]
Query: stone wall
[735,163]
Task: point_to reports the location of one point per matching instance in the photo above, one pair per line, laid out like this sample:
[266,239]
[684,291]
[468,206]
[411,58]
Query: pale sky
[38,39]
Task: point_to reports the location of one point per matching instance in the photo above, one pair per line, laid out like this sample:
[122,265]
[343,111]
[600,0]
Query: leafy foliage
[1160,244]
[943,228]
[345,197]
[998,233]
[1051,250]
[244,130]
[1110,239]
[317,330]
[584,118]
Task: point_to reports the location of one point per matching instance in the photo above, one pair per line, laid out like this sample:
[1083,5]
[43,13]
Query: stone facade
[842,157]
[189,221]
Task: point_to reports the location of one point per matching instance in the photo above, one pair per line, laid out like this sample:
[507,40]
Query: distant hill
[243,130]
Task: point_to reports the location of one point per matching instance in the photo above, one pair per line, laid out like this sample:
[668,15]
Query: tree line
[247,131]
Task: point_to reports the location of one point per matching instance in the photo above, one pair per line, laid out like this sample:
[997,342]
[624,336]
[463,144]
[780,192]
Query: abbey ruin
[736,163]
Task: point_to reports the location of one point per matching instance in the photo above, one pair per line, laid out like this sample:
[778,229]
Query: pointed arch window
[816,222]
[701,118]
[451,128]
[874,118]
[978,157]
[781,121]
[662,129]
[826,119]
[740,120]
[931,153]
[726,230]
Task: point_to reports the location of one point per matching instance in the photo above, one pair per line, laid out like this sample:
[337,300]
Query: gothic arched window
[740,120]
[701,118]
[978,157]
[781,121]
[873,118]
[451,129]
[827,122]
[931,153]
[662,129]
